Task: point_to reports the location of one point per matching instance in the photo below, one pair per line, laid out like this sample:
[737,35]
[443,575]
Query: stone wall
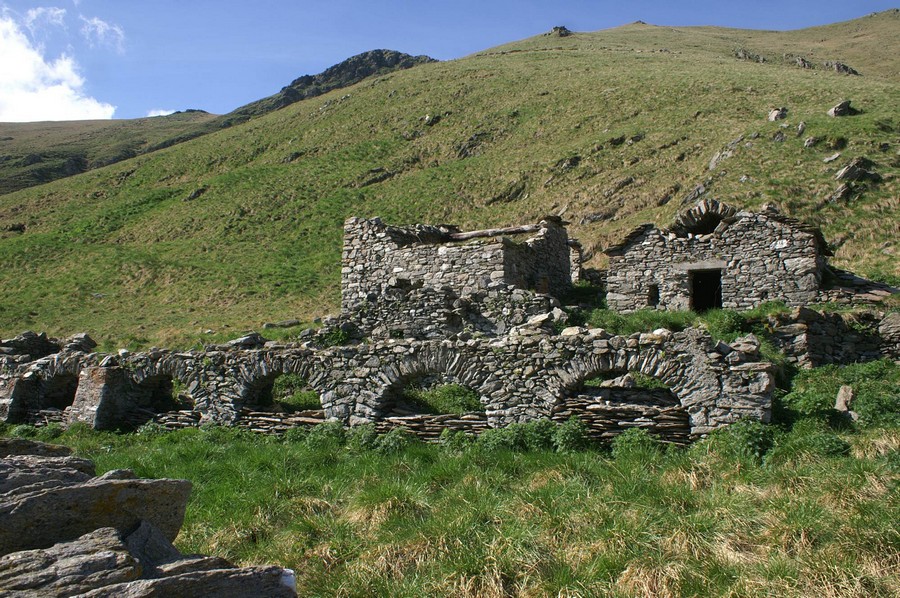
[530,373]
[439,313]
[810,338]
[762,257]
[377,258]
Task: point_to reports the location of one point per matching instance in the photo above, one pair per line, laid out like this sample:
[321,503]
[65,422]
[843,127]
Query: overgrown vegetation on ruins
[806,506]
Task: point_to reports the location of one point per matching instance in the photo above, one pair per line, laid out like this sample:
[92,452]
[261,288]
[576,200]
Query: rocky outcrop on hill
[346,73]
[64,532]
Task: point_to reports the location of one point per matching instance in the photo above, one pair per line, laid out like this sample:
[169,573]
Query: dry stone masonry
[715,256]
[530,373]
[428,304]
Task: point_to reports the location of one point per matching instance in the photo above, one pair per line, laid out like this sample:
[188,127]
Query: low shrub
[537,435]
[456,441]
[326,436]
[296,435]
[746,440]
[570,436]
[496,439]
[635,444]
[395,441]
[362,438]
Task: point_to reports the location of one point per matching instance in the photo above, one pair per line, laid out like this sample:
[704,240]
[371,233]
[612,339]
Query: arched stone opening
[280,392]
[154,398]
[431,391]
[59,391]
[611,396]
[50,398]
[431,394]
[426,404]
[279,401]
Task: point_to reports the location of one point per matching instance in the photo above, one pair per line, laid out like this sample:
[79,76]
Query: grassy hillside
[36,153]
[611,129]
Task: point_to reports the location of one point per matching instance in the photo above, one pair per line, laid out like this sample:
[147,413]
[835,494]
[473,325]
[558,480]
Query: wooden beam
[495,232]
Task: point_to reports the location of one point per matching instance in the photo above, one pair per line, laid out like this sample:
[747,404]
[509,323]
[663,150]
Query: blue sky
[72,59]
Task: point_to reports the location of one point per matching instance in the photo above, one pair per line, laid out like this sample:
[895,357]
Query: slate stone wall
[377,258]
[441,313]
[812,339]
[761,258]
[530,373]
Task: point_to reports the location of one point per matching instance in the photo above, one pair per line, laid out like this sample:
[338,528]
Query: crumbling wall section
[530,373]
[761,259]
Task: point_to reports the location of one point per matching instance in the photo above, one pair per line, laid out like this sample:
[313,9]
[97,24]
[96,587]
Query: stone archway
[434,367]
[691,384]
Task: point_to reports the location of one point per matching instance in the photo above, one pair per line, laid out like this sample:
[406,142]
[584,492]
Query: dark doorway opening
[59,391]
[706,290]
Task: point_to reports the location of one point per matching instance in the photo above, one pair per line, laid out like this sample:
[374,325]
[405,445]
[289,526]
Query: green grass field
[611,128]
[808,506]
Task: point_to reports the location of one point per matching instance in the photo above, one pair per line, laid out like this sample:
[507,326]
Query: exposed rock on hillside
[346,73]
[777,114]
[67,533]
[840,67]
[559,31]
[842,109]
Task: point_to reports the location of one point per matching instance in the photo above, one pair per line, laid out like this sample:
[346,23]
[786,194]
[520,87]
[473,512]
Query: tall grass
[796,509]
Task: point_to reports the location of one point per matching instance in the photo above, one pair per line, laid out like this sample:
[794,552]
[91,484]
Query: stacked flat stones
[762,257]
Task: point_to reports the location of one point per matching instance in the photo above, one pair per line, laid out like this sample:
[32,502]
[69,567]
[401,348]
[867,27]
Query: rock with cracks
[64,532]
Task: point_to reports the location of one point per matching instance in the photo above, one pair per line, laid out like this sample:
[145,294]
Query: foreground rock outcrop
[65,532]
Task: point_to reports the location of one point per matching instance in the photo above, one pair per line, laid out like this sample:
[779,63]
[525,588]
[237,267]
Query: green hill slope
[611,129]
[36,153]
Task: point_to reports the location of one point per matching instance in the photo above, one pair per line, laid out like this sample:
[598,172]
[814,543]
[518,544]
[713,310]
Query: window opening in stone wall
[161,393]
[706,290]
[285,393]
[434,395]
[653,296]
[49,401]
[155,396]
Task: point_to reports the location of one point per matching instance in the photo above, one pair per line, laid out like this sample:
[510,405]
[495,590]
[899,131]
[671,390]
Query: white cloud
[98,32]
[159,112]
[33,87]
[50,15]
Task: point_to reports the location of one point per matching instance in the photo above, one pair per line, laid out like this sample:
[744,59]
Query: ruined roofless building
[378,258]
[717,257]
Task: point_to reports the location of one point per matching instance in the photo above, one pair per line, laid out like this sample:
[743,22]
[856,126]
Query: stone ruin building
[437,282]
[715,256]
[427,305]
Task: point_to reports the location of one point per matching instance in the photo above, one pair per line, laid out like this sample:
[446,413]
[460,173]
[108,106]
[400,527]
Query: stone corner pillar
[101,398]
